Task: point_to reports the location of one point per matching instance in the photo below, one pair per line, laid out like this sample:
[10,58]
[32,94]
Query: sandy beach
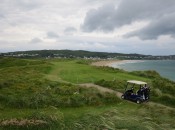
[106,62]
[111,62]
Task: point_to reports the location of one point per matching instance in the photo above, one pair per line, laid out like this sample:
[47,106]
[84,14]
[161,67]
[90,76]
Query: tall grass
[118,85]
[24,86]
[28,95]
[36,120]
[60,96]
[122,118]
[163,91]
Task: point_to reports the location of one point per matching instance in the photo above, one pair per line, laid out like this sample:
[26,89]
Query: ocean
[166,68]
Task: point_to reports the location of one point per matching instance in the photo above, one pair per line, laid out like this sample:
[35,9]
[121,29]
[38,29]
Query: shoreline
[110,63]
[118,64]
[105,62]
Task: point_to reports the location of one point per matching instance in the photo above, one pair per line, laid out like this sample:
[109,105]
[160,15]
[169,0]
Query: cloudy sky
[124,26]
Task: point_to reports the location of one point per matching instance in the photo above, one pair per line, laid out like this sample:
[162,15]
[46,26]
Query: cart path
[102,89]
[119,94]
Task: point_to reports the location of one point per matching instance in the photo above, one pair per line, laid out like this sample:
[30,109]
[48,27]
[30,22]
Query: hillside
[46,94]
[82,54]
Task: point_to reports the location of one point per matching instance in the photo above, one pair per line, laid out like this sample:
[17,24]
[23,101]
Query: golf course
[73,94]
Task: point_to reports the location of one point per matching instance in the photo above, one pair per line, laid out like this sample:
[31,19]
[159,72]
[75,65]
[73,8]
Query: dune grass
[45,93]
[116,116]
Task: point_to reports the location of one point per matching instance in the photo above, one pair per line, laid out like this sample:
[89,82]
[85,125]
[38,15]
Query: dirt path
[102,89]
[119,94]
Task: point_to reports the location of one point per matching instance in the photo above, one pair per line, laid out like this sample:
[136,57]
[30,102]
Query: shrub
[85,62]
[167,100]
[147,74]
[164,85]
[111,98]
[114,84]
[77,100]
[156,92]
[109,69]
[66,90]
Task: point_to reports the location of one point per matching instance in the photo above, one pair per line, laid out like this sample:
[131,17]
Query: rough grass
[121,116]
[25,86]
[44,93]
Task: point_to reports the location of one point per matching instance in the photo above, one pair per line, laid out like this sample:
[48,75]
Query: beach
[112,62]
[164,67]
[106,62]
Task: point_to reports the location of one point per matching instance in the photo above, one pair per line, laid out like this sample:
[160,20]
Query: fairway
[74,72]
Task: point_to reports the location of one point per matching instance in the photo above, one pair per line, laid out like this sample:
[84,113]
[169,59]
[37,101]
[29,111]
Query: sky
[121,26]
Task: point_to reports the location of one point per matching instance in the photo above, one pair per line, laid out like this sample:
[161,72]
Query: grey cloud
[111,16]
[35,40]
[70,30]
[1,16]
[12,10]
[52,35]
[162,26]
[100,19]
[25,4]
[8,7]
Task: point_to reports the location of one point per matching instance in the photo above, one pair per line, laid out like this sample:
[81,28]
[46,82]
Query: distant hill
[82,54]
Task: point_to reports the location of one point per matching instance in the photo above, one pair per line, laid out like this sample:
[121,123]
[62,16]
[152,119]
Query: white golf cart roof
[136,82]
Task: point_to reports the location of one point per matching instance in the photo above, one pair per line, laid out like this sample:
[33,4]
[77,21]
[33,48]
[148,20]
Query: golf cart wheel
[138,101]
[123,97]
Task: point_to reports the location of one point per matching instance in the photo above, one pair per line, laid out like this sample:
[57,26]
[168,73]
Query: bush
[147,74]
[114,84]
[156,92]
[66,90]
[84,62]
[77,100]
[167,100]
[164,85]
[111,98]
[109,69]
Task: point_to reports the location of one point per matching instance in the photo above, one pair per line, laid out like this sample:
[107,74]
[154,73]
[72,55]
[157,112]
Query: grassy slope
[17,78]
[74,72]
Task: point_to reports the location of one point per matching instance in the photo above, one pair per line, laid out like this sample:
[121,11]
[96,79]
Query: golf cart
[136,91]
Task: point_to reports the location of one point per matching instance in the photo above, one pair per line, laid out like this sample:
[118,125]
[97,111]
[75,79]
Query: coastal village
[79,54]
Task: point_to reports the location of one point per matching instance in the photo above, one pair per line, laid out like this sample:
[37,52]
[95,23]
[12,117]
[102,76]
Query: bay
[165,68]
